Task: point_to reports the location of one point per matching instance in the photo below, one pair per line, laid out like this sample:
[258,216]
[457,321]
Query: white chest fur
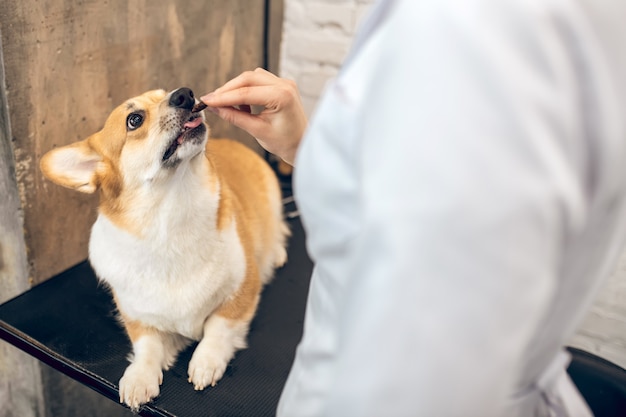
[174,276]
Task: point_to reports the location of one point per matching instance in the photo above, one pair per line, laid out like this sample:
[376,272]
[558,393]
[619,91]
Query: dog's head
[146,138]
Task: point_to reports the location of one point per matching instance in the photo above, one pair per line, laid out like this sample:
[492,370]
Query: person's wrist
[289,152]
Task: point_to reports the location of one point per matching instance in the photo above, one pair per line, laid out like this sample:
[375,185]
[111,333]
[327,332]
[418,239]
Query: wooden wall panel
[275,18]
[69,63]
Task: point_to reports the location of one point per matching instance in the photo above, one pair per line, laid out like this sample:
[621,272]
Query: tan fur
[137,189]
[239,201]
[136,329]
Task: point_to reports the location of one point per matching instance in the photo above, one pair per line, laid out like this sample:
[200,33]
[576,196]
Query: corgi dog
[188,231]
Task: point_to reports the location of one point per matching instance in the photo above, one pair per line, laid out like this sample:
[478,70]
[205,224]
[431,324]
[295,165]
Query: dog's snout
[182,99]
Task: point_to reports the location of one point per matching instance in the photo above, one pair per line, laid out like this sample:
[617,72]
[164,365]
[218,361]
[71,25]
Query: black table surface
[69,323]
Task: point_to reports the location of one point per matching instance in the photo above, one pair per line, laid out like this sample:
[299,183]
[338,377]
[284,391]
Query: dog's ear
[73,166]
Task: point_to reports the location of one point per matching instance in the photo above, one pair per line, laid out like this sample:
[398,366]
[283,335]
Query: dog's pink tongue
[193,123]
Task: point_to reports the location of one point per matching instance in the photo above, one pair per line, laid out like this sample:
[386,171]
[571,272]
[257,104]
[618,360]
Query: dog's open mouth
[191,128]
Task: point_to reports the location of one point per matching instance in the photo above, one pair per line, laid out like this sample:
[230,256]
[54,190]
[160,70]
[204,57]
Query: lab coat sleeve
[466,193]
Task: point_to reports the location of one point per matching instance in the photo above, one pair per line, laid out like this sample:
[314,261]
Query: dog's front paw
[205,370]
[139,385]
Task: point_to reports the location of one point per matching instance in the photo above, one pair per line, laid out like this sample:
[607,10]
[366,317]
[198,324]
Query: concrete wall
[316,37]
[20,377]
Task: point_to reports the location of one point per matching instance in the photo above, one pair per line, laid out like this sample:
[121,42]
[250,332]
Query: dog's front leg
[222,338]
[141,380]
[225,332]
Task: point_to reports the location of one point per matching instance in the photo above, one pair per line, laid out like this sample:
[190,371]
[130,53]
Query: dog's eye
[134,120]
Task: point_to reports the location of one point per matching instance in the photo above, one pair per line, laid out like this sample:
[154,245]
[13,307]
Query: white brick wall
[603,331]
[316,36]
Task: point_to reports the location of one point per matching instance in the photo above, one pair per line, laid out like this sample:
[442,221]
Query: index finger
[258,77]
[257,96]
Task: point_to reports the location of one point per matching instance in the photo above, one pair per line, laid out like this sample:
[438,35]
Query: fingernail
[207,97]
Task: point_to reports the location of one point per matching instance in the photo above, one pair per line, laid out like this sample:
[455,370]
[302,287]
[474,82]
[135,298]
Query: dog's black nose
[182,99]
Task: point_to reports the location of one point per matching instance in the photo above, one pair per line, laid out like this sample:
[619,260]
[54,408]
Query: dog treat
[198,107]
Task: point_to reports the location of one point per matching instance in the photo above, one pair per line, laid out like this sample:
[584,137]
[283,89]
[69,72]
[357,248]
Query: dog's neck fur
[144,209]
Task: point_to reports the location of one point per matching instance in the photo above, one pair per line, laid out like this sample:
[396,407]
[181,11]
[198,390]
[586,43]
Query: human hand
[279,126]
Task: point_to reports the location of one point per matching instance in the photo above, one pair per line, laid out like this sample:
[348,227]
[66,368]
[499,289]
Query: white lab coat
[462,186]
